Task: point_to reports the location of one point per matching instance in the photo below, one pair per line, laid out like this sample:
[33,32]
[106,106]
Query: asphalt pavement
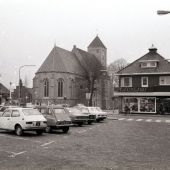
[120,143]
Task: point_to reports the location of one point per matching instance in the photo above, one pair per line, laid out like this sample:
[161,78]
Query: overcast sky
[29,29]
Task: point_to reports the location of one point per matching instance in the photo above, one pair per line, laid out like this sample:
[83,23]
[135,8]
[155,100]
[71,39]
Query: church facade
[72,77]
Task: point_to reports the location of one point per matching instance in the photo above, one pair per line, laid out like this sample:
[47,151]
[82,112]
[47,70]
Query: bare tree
[116,66]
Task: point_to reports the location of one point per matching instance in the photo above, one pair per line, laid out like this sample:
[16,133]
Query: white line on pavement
[148,120]
[138,120]
[121,119]
[15,154]
[82,131]
[158,120]
[167,121]
[129,119]
[47,143]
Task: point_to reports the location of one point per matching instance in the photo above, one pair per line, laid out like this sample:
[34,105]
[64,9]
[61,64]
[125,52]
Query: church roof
[96,43]
[88,61]
[3,89]
[163,66]
[61,60]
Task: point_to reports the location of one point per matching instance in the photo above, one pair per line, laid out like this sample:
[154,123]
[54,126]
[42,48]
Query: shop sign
[133,89]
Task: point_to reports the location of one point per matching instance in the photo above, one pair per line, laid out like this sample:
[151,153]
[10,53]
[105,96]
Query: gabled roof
[96,43]
[163,65]
[3,89]
[61,60]
[88,61]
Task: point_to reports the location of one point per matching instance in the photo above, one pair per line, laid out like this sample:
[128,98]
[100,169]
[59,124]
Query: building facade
[144,85]
[64,77]
[4,94]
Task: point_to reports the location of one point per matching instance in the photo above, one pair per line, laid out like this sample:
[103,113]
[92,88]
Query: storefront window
[132,103]
[147,104]
[140,104]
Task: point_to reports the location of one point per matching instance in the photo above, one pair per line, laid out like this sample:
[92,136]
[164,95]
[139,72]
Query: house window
[148,64]
[126,82]
[144,81]
[46,88]
[164,80]
[60,87]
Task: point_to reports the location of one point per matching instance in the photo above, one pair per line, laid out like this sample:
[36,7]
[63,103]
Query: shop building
[144,85]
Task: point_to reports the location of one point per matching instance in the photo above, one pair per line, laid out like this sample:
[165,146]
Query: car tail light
[29,122]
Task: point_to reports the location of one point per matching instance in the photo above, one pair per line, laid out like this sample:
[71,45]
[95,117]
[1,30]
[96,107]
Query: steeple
[96,43]
[98,49]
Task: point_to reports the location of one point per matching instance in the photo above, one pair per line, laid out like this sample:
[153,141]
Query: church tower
[97,48]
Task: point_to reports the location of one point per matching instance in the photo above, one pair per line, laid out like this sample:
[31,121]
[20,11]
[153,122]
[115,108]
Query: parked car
[57,118]
[23,119]
[85,110]
[100,115]
[77,117]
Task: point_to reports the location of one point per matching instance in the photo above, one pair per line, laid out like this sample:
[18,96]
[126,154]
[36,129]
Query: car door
[5,119]
[15,118]
[51,120]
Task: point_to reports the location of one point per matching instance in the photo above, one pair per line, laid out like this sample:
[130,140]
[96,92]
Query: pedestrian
[161,109]
[127,109]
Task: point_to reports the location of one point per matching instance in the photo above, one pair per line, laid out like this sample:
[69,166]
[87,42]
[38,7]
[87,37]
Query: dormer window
[149,63]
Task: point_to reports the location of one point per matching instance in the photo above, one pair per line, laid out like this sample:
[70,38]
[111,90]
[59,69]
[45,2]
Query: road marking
[148,120]
[138,120]
[121,119]
[158,120]
[167,121]
[129,119]
[15,154]
[19,138]
[82,131]
[47,143]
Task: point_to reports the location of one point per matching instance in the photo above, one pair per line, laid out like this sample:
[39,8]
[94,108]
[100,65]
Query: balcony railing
[143,89]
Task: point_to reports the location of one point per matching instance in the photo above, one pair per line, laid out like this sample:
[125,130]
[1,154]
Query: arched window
[46,88]
[72,88]
[60,87]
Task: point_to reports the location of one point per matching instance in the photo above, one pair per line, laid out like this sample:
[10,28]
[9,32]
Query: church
[74,77]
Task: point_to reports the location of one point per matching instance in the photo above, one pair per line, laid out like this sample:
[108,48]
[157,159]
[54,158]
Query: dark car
[77,117]
[84,110]
[57,118]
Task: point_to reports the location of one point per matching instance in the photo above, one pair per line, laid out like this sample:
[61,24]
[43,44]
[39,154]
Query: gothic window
[60,87]
[72,88]
[46,88]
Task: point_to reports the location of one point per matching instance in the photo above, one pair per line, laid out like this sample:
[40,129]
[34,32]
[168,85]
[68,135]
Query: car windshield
[30,112]
[60,113]
[98,109]
[74,111]
[84,110]
[92,109]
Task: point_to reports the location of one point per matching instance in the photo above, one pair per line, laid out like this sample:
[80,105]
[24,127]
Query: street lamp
[19,87]
[162,12]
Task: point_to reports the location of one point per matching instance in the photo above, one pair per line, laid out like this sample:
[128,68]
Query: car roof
[51,106]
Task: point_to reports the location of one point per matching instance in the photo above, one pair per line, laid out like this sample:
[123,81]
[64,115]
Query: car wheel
[97,120]
[80,124]
[89,122]
[48,129]
[39,132]
[18,130]
[65,129]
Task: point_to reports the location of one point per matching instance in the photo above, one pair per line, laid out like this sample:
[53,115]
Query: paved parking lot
[113,144]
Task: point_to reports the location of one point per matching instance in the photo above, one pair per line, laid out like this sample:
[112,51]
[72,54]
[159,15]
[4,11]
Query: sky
[30,28]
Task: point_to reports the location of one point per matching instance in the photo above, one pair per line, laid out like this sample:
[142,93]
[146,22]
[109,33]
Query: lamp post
[19,87]
[162,12]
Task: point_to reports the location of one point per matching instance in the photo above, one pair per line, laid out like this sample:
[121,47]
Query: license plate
[37,123]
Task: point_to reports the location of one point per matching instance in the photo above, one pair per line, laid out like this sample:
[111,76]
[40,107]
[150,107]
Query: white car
[23,119]
[100,115]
